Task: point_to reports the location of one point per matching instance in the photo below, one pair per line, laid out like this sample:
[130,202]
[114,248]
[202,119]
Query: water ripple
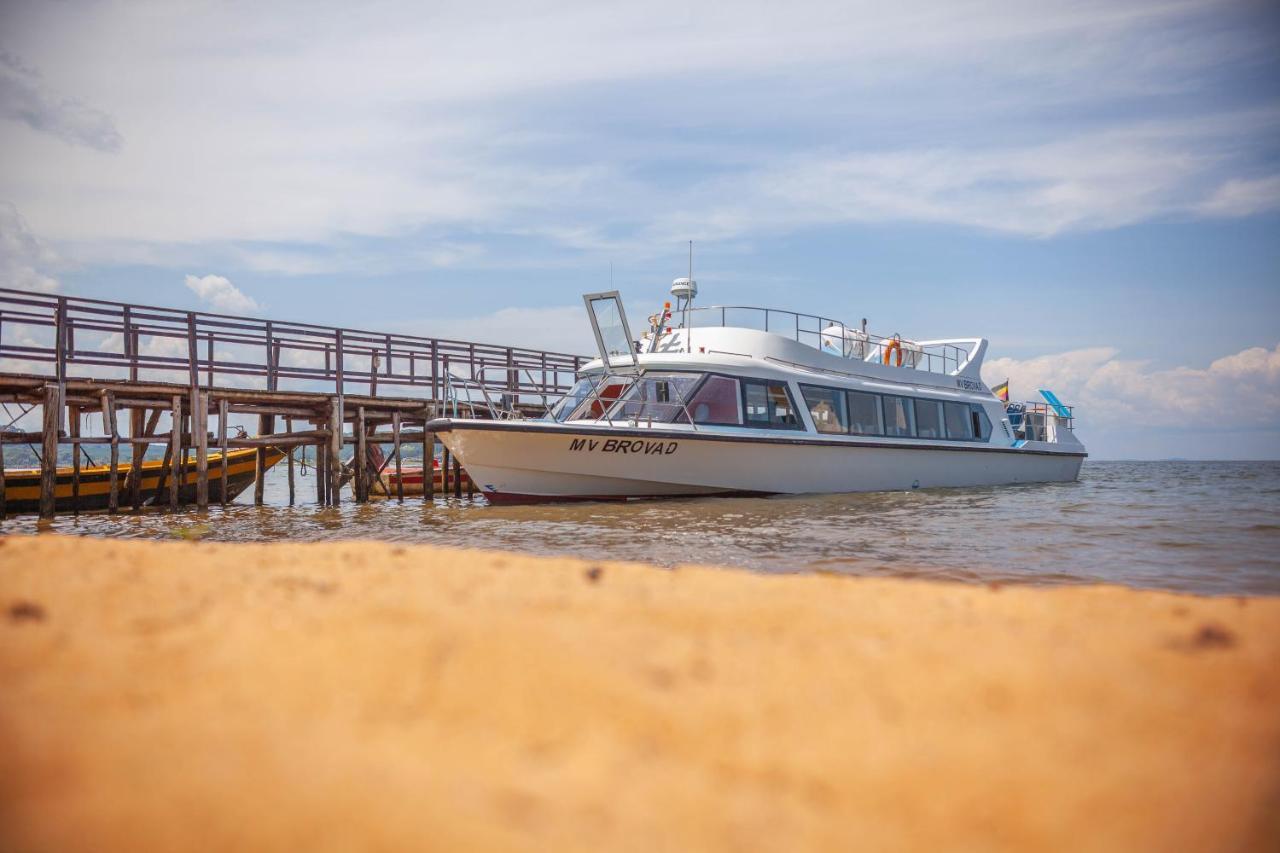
[1196,527]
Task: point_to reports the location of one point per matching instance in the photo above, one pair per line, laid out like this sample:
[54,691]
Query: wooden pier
[71,357]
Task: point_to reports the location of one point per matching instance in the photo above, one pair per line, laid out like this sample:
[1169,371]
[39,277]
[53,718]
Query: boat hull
[414,481]
[510,461]
[22,487]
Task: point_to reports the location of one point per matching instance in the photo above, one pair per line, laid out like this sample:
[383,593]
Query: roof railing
[835,337]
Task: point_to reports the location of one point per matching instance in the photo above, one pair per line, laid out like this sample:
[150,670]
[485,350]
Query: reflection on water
[1209,527]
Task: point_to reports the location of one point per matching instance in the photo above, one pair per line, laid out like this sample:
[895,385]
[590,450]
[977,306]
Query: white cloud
[484,119]
[1244,197]
[1240,391]
[554,329]
[24,97]
[220,294]
[24,257]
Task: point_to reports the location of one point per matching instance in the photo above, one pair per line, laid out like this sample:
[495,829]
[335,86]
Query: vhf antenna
[685,320]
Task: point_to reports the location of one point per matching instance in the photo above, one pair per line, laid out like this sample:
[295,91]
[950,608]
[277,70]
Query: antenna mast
[684,290]
[688,344]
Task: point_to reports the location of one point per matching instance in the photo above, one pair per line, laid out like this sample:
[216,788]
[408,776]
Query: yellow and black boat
[22,486]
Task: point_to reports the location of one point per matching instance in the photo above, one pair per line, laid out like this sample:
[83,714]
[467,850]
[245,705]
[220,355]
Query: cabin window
[827,408]
[864,414]
[566,404]
[767,404]
[899,417]
[928,419]
[595,405]
[717,401]
[958,421]
[657,397]
[588,398]
[981,423]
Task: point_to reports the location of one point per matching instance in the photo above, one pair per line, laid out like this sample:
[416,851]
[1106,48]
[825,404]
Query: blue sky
[1093,186]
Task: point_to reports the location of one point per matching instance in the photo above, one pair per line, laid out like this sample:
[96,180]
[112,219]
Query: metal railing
[1032,419]
[834,337]
[67,337]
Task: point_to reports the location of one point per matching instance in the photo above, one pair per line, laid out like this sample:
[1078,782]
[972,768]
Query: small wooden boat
[413,480]
[22,486]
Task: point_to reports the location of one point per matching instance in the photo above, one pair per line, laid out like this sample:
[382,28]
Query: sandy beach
[190,696]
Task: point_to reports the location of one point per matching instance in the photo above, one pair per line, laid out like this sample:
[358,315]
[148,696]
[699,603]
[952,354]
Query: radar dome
[684,288]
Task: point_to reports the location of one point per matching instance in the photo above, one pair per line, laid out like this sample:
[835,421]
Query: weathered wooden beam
[175,452]
[201,428]
[21,437]
[288,425]
[222,447]
[428,464]
[110,427]
[60,363]
[266,426]
[73,429]
[139,455]
[49,458]
[362,460]
[457,478]
[333,463]
[137,417]
[193,362]
[395,440]
[278,410]
[322,478]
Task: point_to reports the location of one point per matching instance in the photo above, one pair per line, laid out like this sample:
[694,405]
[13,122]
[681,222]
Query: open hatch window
[609,322]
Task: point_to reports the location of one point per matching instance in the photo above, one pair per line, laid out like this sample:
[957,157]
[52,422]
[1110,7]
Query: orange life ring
[893,346]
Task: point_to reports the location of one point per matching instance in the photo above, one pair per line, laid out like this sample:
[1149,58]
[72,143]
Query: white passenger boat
[732,400]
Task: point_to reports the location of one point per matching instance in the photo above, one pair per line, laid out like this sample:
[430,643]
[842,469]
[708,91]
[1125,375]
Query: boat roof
[773,341]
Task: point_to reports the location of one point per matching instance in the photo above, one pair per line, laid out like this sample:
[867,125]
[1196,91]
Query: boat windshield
[657,397]
[589,398]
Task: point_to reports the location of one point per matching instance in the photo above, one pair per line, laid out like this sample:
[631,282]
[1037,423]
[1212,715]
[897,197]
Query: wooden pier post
[222,448]
[139,452]
[334,462]
[266,426]
[49,458]
[73,430]
[175,452]
[428,463]
[362,459]
[137,416]
[457,478]
[445,458]
[288,427]
[200,424]
[109,426]
[395,440]
[322,479]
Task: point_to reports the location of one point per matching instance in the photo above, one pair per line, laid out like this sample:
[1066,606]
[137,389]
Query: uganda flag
[1002,391]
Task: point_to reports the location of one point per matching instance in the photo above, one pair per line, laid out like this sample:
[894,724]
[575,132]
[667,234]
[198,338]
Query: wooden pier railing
[72,355]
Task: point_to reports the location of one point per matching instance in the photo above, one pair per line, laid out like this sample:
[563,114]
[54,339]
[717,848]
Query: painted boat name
[622,445]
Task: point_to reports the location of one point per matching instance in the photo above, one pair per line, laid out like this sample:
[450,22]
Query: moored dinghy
[22,486]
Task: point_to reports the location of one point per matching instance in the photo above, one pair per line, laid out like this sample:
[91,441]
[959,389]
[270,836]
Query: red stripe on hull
[515,498]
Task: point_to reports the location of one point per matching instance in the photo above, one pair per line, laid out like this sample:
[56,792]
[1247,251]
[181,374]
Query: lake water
[1204,527]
